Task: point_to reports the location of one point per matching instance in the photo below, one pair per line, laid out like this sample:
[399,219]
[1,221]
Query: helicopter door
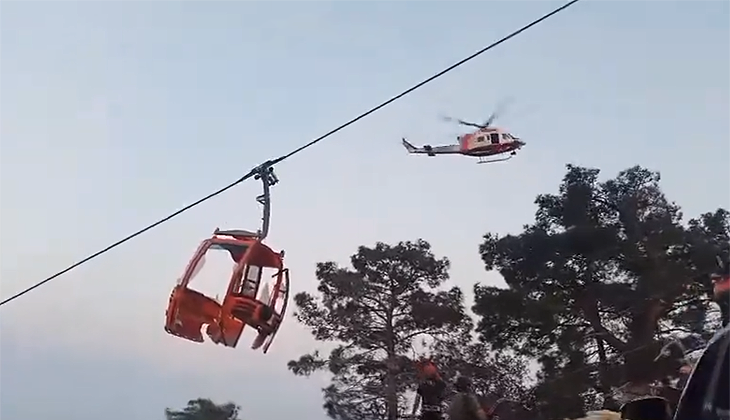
[494,138]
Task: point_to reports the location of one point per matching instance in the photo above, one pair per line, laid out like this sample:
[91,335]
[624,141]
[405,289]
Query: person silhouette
[430,392]
[465,405]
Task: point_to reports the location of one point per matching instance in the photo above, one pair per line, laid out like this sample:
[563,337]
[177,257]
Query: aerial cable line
[429,80]
[270,163]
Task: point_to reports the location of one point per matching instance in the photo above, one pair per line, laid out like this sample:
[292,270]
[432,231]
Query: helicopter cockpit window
[506,136]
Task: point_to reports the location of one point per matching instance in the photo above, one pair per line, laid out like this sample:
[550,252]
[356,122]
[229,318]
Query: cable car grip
[265,173]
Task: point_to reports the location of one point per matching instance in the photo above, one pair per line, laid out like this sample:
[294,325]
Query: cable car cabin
[189,310]
[486,138]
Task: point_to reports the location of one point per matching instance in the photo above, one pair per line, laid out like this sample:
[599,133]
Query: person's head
[462,384]
[430,371]
[427,370]
[648,408]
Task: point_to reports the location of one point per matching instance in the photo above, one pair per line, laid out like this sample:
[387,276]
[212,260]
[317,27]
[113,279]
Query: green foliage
[204,409]
[605,269]
[374,313]
[500,374]
[599,280]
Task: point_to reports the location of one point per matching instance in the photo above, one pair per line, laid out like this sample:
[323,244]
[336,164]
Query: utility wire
[430,79]
[290,154]
[128,238]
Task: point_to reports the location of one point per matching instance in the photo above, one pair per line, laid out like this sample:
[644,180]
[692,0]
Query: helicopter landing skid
[483,160]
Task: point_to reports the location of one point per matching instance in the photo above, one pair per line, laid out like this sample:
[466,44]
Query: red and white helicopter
[486,141]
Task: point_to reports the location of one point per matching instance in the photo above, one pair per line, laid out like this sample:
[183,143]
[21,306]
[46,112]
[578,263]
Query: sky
[114,114]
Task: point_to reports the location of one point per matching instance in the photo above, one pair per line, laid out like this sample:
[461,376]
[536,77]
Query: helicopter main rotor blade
[500,107]
[490,120]
[462,122]
[470,124]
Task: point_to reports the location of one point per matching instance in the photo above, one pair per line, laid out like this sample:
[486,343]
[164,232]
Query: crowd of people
[705,388]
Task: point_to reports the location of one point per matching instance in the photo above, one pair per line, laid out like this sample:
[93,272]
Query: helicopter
[482,143]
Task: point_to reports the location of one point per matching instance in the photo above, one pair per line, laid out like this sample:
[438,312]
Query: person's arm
[481,415]
[416,402]
[477,408]
[441,388]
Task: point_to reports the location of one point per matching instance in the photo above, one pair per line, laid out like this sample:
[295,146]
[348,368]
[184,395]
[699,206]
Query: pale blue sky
[114,114]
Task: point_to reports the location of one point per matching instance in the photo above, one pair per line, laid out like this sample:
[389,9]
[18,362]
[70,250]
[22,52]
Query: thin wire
[290,154]
[128,238]
[430,79]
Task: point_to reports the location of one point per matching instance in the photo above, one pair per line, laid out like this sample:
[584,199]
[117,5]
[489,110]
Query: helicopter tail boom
[411,148]
[432,150]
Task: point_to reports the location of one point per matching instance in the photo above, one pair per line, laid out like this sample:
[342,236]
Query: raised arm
[416,404]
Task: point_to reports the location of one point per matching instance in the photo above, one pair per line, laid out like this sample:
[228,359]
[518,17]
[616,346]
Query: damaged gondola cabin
[245,302]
